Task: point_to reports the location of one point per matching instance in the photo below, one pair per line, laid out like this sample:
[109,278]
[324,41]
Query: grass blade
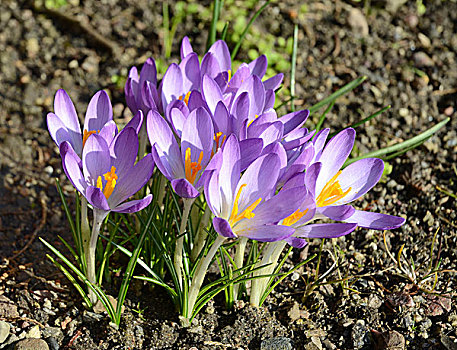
[293,69]
[345,89]
[217,4]
[238,44]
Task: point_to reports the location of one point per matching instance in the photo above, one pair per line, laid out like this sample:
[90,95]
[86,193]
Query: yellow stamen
[111,179]
[87,134]
[293,218]
[218,141]
[249,124]
[229,75]
[185,98]
[331,192]
[246,213]
[192,168]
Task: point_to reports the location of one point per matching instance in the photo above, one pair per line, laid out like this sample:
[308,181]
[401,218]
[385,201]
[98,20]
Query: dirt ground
[409,59]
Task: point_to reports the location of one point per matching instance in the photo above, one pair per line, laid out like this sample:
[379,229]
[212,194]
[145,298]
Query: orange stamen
[192,168]
[87,134]
[331,192]
[111,179]
[185,98]
[293,218]
[246,213]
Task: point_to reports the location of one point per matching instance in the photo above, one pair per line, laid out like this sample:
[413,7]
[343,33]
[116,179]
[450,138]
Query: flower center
[219,139]
[192,168]
[293,218]
[331,192]
[87,134]
[246,213]
[185,98]
[111,179]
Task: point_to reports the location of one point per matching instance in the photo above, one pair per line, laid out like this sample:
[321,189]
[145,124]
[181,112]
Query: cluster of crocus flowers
[214,133]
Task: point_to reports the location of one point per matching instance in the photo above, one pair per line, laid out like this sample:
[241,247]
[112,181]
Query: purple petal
[65,110]
[294,120]
[136,122]
[319,142]
[250,149]
[360,176]
[177,119]
[299,164]
[267,233]
[198,135]
[296,242]
[221,118]
[99,112]
[337,213]
[223,227]
[375,221]
[190,69]
[130,87]
[172,85]
[240,110]
[58,130]
[211,93]
[213,191]
[109,131]
[96,158]
[312,173]
[184,188]
[243,72]
[274,82]
[254,87]
[259,66]
[196,100]
[134,206]
[72,166]
[132,181]
[149,97]
[269,100]
[210,65]
[334,155]
[186,47]
[96,197]
[124,150]
[222,54]
[260,180]
[165,148]
[324,230]
[269,133]
[278,207]
[148,73]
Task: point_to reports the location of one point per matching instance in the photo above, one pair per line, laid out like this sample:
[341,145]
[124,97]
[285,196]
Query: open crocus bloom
[63,124]
[245,205]
[333,188]
[107,175]
[183,164]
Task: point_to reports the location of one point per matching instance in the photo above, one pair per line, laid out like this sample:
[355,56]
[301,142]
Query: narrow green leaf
[238,44]
[213,26]
[293,68]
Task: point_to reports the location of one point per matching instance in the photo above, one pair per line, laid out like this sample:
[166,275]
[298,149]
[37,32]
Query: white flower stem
[271,255]
[199,276]
[99,216]
[239,259]
[178,263]
[85,229]
[201,235]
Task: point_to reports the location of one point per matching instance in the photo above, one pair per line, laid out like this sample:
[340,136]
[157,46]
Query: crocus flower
[107,174]
[245,205]
[63,124]
[183,164]
[333,188]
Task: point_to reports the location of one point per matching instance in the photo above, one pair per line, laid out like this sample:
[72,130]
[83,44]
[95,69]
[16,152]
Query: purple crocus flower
[183,164]
[107,175]
[63,124]
[333,188]
[245,205]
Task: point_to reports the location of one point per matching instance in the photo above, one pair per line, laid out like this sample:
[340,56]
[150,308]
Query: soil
[410,63]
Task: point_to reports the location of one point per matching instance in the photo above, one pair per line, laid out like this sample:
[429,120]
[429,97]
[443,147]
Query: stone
[8,308]
[358,22]
[421,59]
[4,331]
[278,343]
[33,332]
[31,344]
[388,340]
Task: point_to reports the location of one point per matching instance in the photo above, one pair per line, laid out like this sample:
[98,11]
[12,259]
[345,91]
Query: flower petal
[360,176]
[72,166]
[109,131]
[134,206]
[211,93]
[171,85]
[124,150]
[148,73]
[259,66]
[223,227]
[337,213]
[190,69]
[58,130]
[136,122]
[220,50]
[334,155]
[96,158]
[210,65]
[296,242]
[99,112]
[375,221]
[324,230]
[250,149]
[96,197]
[294,120]
[184,188]
[267,233]
[186,47]
[229,173]
[274,82]
[65,110]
